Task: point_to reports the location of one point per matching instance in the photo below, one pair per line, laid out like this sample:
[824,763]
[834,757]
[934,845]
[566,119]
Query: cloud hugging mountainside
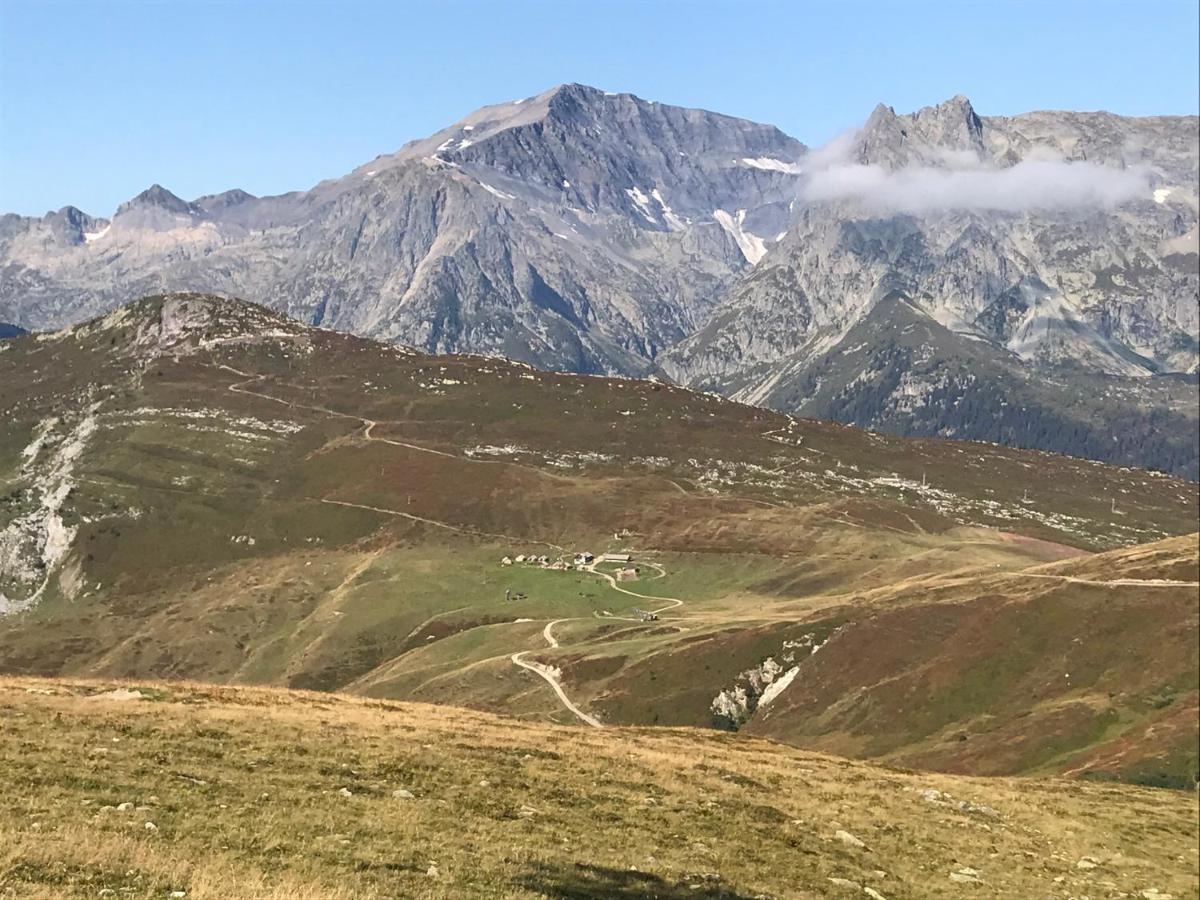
[1029,280]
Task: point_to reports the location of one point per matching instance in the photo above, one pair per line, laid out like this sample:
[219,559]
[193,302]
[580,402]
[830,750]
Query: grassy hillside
[193,488]
[1086,666]
[219,792]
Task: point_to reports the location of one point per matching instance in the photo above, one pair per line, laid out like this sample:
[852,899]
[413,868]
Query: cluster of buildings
[581,560]
[533,559]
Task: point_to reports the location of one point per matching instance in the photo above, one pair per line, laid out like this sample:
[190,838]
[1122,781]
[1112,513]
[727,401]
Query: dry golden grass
[247,792]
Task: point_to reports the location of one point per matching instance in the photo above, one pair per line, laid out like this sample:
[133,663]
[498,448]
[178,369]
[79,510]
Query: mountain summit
[158,197]
[925,137]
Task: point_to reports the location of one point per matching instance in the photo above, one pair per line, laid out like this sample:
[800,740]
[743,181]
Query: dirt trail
[551,678]
[510,538]
[672,602]
[1115,582]
[371,423]
[550,675]
[547,632]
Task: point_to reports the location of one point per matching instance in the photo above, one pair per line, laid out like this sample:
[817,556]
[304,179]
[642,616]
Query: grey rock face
[920,138]
[577,229]
[1099,283]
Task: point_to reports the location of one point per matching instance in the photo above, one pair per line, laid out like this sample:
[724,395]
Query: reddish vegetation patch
[442,628]
[1162,751]
[577,669]
[1035,672]
[1048,550]
[1016,745]
[612,634]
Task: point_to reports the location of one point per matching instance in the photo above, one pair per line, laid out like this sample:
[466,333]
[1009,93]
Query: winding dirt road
[551,678]
[551,675]
[548,632]
[672,602]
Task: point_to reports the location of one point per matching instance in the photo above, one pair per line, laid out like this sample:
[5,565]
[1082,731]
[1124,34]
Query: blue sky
[100,99]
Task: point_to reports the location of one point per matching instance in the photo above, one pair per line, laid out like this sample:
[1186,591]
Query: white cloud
[1039,182]
[835,153]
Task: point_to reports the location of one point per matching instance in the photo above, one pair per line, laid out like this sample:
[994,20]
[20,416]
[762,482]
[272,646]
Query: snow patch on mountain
[752,246]
[772,165]
[495,192]
[669,216]
[90,236]
[641,202]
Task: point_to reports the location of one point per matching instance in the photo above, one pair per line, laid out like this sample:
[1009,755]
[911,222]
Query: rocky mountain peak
[959,105]
[156,197]
[182,323]
[953,122]
[69,225]
[72,215]
[223,200]
[574,92]
[933,135]
[578,104]
[881,136]
[880,115]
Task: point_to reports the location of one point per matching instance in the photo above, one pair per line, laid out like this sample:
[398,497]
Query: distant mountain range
[1028,280]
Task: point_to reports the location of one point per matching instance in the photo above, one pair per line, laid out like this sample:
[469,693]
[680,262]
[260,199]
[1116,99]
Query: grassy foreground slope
[142,790]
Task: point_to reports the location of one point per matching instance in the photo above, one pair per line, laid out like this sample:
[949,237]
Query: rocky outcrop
[757,686]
